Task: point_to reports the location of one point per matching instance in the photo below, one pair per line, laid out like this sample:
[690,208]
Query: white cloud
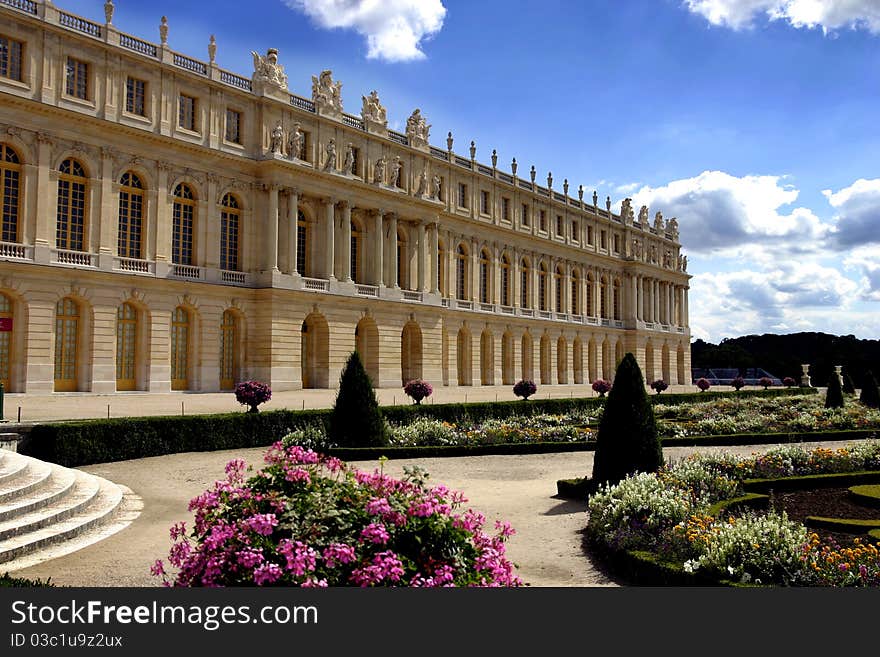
[858,213]
[720,213]
[866,260]
[394,29]
[829,15]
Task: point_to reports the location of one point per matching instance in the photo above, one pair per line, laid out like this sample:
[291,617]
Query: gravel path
[547,546]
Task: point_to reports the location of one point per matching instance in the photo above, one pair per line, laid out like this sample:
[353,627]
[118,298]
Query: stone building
[170,225]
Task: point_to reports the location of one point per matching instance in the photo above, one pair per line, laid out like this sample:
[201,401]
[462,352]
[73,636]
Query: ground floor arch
[592,360]
[410,352]
[366,343]
[682,379]
[577,354]
[527,345]
[562,360]
[665,365]
[507,358]
[545,360]
[463,351]
[649,363]
[487,358]
[315,351]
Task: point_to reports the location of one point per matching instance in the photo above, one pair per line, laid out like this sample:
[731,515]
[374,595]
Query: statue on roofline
[326,94]
[267,71]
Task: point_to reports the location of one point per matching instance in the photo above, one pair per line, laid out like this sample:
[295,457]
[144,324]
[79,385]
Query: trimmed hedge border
[8,581]
[848,525]
[432,451]
[867,494]
[811,481]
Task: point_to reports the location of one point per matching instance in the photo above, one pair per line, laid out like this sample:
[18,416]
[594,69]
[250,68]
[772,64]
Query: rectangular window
[462,195]
[542,225]
[484,201]
[602,243]
[590,235]
[505,209]
[186,112]
[135,94]
[617,243]
[233,126]
[525,215]
[560,225]
[10,58]
[77,78]
[574,231]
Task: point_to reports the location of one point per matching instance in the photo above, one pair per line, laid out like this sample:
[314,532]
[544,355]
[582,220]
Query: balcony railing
[367,290]
[79,24]
[591,320]
[562,317]
[143,47]
[409,295]
[233,277]
[544,314]
[316,284]
[508,310]
[235,80]
[190,64]
[487,307]
[187,271]
[16,251]
[25,5]
[134,265]
[465,305]
[444,302]
[78,258]
[302,103]
[526,312]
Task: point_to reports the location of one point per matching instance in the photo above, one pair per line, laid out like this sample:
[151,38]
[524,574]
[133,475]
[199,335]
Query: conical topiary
[848,386]
[627,441]
[834,395]
[356,420]
[870,393]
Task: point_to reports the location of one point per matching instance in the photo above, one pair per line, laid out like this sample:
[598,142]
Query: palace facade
[170,225]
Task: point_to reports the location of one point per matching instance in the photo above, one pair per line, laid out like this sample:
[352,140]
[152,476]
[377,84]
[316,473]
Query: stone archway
[507,374]
[315,351]
[366,343]
[487,358]
[562,360]
[410,352]
[464,356]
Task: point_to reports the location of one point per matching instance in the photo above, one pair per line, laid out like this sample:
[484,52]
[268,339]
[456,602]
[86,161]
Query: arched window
[10,193]
[575,293]
[229,342]
[230,221]
[131,217]
[615,300]
[6,350]
[461,273]
[180,346]
[183,215]
[356,241]
[301,244]
[126,347]
[505,280]
[560,295]
[485,277]
[71,215]
[542,287]
[525,277]
[66,345]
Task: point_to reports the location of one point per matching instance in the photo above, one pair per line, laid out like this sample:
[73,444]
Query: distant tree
[627,439]
[834,395]
[356,420]
[870,393]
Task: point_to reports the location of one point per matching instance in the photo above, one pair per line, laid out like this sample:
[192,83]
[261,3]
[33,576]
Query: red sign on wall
[5,323]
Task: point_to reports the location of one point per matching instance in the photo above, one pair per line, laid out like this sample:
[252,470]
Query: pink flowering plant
[252,394]
[310,520]
[601,386]
[765,381]
[659,386]
[418,390]
[524,388]
[789,382]
[703,384]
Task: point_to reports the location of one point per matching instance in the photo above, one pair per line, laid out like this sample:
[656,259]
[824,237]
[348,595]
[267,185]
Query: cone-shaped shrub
[834,396]
[356,420]
[627,441]
[848,387]
[870,393]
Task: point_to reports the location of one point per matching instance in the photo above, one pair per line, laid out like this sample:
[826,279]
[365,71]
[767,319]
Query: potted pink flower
[659,386]
[252,394]
[601,386]
[418,390]
[524,388]
[703,384]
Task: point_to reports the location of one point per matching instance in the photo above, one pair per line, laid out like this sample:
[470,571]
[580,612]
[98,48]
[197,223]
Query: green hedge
[735,504]
[841,479]
[710,395]
[432,451]
[769,438]
[867,494]
[846,525]
[8,581]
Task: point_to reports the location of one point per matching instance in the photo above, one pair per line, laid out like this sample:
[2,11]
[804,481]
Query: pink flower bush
[524,388]
[789,382]
[601,386]
[659,386]
[418,390]
[332,525]
[252,394]
[702,384]
[738,383]
[765,381]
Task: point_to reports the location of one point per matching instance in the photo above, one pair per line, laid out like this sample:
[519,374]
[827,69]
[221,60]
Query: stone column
[634,298]
[44,230]
[475,272]
[345,273]
[536,295]
[420,258]
[392,253]
[293,232]
[435,257]
[106,220]
[513,281]
[686,321]
[327,266]
[271,252]
[597,297]
[378,248]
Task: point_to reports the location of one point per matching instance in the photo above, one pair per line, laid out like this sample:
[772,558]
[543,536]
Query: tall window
[10,193]
[559,293]
[485,278]
[591,312]
[186,112]
[301,245]
[77,78]
[135,95]
[461,273]
[228,351]
[616,243]
[183,216]
[505,208]
[575,294]
[560,225]
[230,220]
[462,195]
[71,214]
[402,273]
[233,127]
[10,58]
[126,347]
[525,214]
[542,224]
[66,345]
[505,281]
[6,343]
[615,300]
[131,216]
[603,293]
[441,267]
[356,237]
[180,335]
[574,231]
[524,276]
[602,240]
[542,287]
[590,235]
[484,201]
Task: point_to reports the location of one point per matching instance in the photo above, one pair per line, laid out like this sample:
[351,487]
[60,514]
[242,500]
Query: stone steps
[47,510]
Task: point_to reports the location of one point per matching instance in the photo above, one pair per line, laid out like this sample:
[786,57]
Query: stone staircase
[47,510]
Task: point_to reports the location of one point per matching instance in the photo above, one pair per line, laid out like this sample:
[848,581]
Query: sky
[753,122]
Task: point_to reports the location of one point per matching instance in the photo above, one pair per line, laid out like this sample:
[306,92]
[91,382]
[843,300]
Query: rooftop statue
[268,73]
[643,216]
[626,211]
[417,129]
[658,221]
[672,226]
[373,110]
[326,94]
[296,143]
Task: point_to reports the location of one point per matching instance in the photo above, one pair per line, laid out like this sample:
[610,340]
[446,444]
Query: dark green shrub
[7,580]
[356,420]
[834,395]
[870,394]
[627,440]
[848,386]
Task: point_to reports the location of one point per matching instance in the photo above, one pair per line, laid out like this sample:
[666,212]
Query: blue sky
[754,122]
